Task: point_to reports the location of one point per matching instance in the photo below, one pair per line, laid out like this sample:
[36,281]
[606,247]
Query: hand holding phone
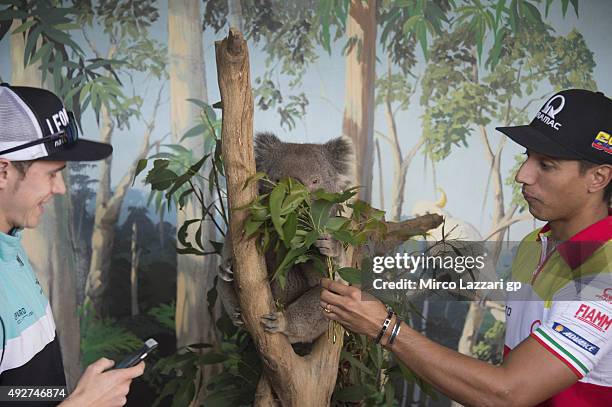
[134,358]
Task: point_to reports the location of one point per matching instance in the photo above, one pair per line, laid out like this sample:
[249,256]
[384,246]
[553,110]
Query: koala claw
[226,273]
[274,322]
[236,318]
[328,246]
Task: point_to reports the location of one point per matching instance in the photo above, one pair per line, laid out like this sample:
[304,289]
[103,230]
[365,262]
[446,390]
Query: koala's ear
[339,152]
[266,145]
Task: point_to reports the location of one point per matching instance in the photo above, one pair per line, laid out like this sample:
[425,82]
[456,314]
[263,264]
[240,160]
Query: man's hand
[99,388]
[357,311]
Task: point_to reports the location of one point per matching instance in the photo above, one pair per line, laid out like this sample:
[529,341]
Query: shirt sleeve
[577,329]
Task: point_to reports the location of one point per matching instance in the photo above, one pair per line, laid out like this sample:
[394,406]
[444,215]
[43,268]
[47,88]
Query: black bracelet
[395,331]
[385,325]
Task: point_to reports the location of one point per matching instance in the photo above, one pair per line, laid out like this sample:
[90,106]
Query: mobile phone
[134,358]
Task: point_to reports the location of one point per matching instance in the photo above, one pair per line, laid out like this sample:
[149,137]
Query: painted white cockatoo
[454,228]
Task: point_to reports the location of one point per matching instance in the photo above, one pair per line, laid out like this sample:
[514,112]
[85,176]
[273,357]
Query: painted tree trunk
[358,120]
[234,14]
[134,271]
[50,246]
[108,209]
[103,234]
[195,274]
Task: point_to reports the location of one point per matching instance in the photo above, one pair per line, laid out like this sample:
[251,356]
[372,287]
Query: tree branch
[117,198]
[507,223]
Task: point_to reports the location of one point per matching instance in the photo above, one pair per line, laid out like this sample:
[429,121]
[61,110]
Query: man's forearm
[462,378]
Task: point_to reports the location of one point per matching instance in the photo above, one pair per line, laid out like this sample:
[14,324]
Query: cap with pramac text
[34,125]
[573,124]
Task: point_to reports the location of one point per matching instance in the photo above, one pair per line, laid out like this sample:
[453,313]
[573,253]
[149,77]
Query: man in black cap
[37,137]
[559,324]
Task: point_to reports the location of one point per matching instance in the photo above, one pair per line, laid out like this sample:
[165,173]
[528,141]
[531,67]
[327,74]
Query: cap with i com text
[35,125]
[573,124]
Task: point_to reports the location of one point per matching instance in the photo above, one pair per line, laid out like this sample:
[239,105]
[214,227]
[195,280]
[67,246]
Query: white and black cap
[35,125]
[573,124]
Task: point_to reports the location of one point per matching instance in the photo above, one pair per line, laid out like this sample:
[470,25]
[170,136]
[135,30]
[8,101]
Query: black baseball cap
[573,124]
[35,125]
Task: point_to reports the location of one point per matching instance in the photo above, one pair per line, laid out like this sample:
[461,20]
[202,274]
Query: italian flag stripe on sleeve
[560,352]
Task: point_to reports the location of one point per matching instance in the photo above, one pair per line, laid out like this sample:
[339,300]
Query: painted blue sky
[463,175]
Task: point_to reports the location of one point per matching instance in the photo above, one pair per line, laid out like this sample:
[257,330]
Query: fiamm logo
[594,317]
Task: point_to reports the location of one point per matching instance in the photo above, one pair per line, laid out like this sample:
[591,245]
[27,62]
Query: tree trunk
[296,381]
[235,14]
[292,379]
[358,120]
[108,209]
[50,246]
[381,184]
[134,270]
[103,234]
[195,274]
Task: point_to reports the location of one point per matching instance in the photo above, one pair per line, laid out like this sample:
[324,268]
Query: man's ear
[4,172]
[601,177]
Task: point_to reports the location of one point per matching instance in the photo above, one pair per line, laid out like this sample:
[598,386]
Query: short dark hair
[587,165]
[22,166]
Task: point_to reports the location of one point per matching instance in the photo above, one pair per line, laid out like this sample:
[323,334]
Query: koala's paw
[225,272]
[236,318]
[328,246]
[274,322]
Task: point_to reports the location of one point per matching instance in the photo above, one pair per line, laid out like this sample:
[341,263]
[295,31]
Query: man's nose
[59,187]
[526,173]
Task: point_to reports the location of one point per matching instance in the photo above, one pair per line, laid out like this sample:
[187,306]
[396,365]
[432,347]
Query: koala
[327,166]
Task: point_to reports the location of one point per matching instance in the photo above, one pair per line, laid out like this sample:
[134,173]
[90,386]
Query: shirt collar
[577,249]
[10,243]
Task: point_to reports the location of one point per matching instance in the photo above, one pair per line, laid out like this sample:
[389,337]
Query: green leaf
[564,5]
[194,131]
[189,250]
[293,201]
[344,236]
[142,164]
[548,3]
[310,238]
[183,196]
[253,178]
[350,274]
[352,393]
[31,43]
[575,5]
[291,255]
[181,235]
[290,227]
[198,237]
[212,358]
[355,362]
[161,179]
[218,246]
[320,211]
[24,27]
[276,202]
[251,226]
[336,223]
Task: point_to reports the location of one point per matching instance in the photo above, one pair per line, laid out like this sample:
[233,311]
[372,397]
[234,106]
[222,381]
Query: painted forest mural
[417,86]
